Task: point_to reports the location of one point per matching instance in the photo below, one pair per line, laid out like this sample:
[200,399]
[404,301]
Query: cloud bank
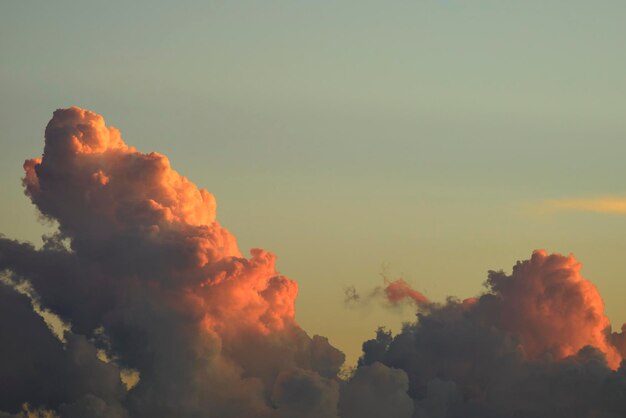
[166,318]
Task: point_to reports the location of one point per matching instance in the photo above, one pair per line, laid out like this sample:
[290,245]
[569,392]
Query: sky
[430,141]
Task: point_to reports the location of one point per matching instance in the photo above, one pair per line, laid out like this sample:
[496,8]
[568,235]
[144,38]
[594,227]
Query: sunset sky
[358,140]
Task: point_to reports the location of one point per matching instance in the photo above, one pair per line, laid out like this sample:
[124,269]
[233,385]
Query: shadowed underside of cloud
[151,285]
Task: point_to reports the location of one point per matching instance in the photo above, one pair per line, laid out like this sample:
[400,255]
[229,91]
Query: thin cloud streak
[606,204]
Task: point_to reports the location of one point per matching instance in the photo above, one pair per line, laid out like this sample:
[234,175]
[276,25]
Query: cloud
[394,293]
[142,305]
[37,368]
[399,290]
[376,391]
[154,282]
[551,308]
[608,204]
[536,343]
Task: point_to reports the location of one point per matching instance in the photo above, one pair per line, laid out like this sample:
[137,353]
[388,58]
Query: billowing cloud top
[166,318]
[551,308]
[114,201]
[161,287]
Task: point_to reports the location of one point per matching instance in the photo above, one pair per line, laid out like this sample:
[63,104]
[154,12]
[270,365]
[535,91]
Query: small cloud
[606,204]
[394,294]
[351,296]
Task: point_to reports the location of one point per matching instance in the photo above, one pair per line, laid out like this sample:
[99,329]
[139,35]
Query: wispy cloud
[603,204]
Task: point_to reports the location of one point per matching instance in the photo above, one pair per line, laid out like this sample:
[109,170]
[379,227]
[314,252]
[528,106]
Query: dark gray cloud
[36,367]
[376,390]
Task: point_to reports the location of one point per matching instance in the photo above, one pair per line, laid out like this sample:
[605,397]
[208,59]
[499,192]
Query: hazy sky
[418,139]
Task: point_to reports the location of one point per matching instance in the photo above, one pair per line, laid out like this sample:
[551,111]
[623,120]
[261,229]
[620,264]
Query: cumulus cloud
[537,343]
[156,284]
[552,309]
[142,305]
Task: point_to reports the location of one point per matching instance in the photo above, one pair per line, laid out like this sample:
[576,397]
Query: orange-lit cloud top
[99,190]
[87,172]
[160,285]
[551,308]
[545,303]
[537,343]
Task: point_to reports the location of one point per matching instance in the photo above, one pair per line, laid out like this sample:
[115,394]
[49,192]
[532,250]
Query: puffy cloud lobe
[376,391]
[618,340]
[86,167]
[304,394]
[155,281]
[552,308]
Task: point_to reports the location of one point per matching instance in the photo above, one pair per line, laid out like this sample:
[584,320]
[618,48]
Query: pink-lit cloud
[150,287]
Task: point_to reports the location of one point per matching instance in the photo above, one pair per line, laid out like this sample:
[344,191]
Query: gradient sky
[416,139]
